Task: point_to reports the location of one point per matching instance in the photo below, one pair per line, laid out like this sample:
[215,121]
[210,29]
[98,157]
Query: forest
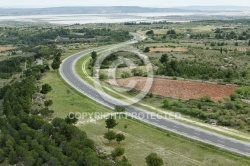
[28,138]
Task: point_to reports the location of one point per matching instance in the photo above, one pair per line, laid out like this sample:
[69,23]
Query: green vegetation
[119,108]
[195,70]
[154,160]
[110,136]
[110,123]
[27,138]
[46,88]
[13,65]
[37,129]
[141,140]
[106,62]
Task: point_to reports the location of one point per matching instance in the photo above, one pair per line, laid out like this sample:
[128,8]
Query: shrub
[119,108]
[125,75]
[229,106]
[147,49]
[166,103]
[206,99]
[117,152]
[233,97]
[103,76]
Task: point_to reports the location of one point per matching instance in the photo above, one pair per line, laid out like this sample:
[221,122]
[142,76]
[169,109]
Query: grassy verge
[65,99]
[174,150]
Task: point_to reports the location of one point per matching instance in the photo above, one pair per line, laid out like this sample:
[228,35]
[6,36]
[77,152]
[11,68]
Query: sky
[146,3]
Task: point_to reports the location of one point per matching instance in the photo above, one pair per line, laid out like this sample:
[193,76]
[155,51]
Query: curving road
[67,71]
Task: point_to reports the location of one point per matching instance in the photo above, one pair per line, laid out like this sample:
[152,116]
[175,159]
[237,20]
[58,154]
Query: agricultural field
[179,89]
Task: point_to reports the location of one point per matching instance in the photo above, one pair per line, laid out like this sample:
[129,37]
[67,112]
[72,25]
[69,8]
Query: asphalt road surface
[67,71]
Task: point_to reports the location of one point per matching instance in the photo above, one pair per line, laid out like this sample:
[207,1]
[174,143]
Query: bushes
[229,106]
[103,77]
[46,88]
[206,99]
[154,160]
[147,49]
[244,92]
[125,75]
[137,72]
[119,108]
[117,152]
[166,103]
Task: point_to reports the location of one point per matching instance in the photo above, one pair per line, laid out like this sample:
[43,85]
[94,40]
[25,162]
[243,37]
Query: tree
[94,55]
[119,108]
[120,137]
[249,43]
[221,50]
[147,49]
[117,152]
[151,32]
[164,58]
[13,159]
[110,122]
[154,160]
[236,44]
[56,62]
[2,156]
[171,32]
[46,88]
[71,119]
[110,136]
[48,103]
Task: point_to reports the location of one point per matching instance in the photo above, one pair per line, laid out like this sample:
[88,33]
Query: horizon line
[20,7]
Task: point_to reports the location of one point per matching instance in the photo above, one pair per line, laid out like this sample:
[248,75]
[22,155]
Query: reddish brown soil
[180,89]
[169,49]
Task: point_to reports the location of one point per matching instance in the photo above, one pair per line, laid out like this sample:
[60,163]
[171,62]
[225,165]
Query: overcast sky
[148,3]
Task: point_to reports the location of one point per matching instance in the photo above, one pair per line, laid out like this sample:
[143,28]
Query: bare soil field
[179,89]
[169,49]
[6,48]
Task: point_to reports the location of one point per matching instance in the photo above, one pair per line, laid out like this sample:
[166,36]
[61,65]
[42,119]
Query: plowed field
[180,89]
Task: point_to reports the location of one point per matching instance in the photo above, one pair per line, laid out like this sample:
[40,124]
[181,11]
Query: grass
[174,150]
[66,100]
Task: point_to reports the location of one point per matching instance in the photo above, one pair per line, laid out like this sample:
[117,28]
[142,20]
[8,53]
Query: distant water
[101,18]
[91,18]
